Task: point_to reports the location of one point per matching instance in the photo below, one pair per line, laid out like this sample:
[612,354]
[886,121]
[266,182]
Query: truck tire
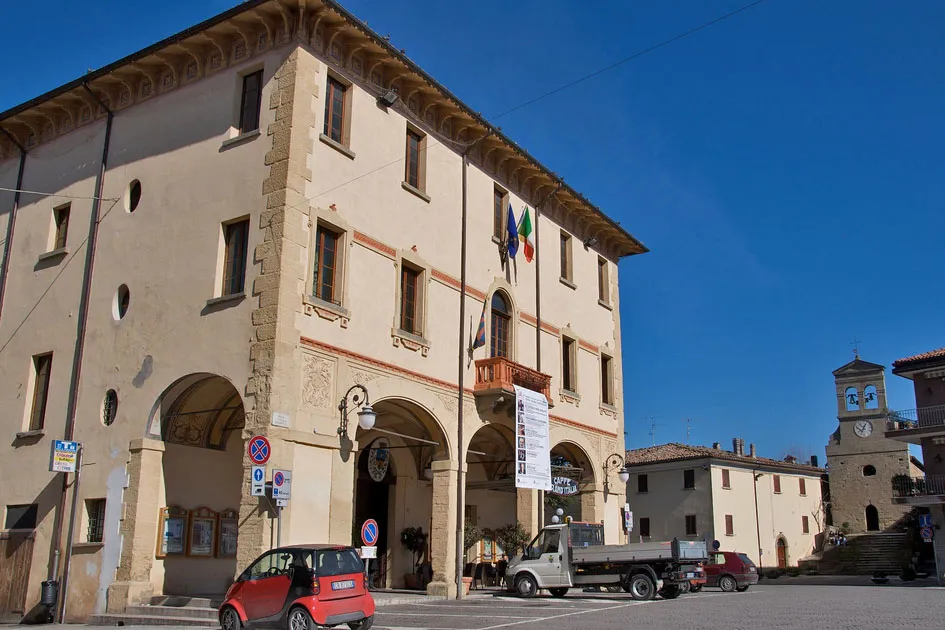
[559,592]
[641,587]
[727,583]
[526,586]
[695,588]
[671,591]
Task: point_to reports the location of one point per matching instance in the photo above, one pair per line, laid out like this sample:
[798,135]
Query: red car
[730,571]
[299,587]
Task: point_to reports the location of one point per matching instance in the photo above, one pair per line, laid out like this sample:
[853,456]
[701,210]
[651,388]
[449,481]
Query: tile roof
[678,452]
[934,354]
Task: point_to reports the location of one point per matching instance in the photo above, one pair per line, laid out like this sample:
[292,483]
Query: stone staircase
[166,610]
[866,553]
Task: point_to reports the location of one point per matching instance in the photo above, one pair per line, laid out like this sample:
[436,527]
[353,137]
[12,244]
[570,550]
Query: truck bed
[681,551]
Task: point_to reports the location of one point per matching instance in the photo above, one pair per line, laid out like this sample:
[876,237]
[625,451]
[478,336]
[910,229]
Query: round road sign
[258,475]
[369,532]
[259,450]
[278,479]
[926,532]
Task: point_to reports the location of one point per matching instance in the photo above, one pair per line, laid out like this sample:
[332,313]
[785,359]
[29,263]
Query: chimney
[751,450]
[735,446]
[813,460]
[716,446]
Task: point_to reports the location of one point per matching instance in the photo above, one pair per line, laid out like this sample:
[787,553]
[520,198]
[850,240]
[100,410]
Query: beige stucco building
[237,225]
[771,510]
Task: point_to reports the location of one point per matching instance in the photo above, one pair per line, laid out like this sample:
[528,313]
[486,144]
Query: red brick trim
[324,347]
[529,319]
[374,244]
[450,281]
[589,346]
[550,329]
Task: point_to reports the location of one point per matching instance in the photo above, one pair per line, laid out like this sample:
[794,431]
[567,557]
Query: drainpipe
[5,265]
[78,354]
[755,475]
[460,457]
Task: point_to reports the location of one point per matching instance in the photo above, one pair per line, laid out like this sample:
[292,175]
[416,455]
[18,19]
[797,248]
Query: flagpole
[538,275]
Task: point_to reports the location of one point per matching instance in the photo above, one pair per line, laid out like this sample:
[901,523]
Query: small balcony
[911,425]
[497,375]
[927,490]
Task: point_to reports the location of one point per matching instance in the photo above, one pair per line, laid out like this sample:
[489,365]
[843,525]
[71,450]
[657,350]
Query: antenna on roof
[688,428]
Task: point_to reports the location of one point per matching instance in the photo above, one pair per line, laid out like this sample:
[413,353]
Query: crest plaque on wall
[379,460]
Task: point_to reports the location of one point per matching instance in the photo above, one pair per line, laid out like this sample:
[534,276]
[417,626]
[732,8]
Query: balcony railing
[499,373]
[930,485]
[916,418]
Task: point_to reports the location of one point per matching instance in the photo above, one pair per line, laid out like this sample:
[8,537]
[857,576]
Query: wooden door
[782,554]
[16,556]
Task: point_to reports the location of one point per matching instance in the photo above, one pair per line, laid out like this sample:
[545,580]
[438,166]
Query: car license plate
[690,575]
[342,585]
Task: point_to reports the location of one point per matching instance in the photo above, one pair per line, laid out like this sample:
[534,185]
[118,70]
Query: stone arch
[781,547]
[872,518]
[408,427]
[852,398]
[570,460]
[490,497]
[871,397]
[199,418]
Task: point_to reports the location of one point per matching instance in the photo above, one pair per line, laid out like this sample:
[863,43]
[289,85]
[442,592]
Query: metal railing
[916,418]
[929,485]
[501,373]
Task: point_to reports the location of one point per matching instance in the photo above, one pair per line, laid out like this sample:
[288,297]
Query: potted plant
[471,537]
[512,538]
[415,541]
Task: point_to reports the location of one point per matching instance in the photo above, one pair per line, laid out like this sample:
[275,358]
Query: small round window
[109,407]
[133,196]
[121,302]
[869,470]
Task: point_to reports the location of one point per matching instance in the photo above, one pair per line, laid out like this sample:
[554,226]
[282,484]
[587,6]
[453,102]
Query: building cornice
[256,26]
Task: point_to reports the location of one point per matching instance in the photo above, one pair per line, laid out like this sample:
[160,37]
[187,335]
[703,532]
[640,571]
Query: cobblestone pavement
[791,607]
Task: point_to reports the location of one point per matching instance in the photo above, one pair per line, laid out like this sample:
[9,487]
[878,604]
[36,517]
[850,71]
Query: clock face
[863,428]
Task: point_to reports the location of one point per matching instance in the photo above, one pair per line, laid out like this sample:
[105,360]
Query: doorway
[872,518]
[782,553]
[373,489]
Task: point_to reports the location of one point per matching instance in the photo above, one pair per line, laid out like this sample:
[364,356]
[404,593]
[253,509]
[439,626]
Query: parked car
[299,587]
[730,571]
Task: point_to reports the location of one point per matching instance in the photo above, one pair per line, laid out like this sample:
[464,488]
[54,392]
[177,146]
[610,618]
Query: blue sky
[784,167]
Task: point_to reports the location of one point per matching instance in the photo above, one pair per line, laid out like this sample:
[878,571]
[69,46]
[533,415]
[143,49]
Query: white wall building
[771,510]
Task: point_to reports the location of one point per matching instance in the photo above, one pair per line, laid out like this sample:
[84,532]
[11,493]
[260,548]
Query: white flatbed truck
[573,555]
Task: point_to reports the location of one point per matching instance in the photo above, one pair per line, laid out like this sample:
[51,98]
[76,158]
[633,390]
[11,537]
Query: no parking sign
[369,532]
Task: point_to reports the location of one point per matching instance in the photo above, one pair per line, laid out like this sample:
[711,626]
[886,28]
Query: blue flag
[511,242]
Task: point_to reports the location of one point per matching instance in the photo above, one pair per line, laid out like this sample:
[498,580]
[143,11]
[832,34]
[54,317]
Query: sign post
[76,464]
[281,492]
[369,534]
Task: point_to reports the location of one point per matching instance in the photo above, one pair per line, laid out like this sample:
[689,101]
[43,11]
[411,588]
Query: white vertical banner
[532,449]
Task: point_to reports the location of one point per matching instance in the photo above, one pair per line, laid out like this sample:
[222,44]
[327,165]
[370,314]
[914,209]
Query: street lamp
[366,414]
[613,461]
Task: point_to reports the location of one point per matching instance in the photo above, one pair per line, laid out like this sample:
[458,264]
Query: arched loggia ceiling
[200,410]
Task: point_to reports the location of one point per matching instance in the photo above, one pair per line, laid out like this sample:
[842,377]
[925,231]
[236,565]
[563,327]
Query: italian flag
[525,233]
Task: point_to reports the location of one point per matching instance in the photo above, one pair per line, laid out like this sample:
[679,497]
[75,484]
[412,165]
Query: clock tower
[860,460]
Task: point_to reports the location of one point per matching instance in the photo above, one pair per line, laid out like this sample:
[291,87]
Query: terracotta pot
[467,582]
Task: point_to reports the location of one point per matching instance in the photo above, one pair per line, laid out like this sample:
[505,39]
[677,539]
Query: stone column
[527,510]
[139,526]
[443,534]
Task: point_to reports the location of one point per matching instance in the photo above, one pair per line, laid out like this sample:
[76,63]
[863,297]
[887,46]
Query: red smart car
[299,587]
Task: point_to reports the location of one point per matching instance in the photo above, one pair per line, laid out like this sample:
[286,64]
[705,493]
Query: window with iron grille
[95,508]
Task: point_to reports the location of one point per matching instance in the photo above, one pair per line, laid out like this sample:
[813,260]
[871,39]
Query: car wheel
[641,587]
[727,583]
[230,619]
[558,592]
[299,619]
[671,591]
[364,624]
[526,586]
[742,589]
[695,588]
